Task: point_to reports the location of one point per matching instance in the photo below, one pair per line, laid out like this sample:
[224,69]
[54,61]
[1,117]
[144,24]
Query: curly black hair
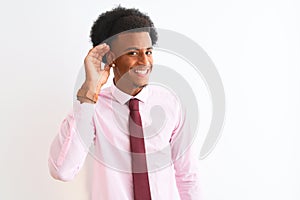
[118,20]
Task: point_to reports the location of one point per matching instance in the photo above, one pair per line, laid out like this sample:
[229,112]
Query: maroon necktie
[141,186]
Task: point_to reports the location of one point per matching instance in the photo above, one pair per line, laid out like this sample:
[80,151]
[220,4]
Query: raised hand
[96,77]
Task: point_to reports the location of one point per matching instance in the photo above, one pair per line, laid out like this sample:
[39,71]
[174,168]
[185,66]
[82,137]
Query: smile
[143,72]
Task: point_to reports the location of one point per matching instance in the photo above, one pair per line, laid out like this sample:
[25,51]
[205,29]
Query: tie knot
[134,105]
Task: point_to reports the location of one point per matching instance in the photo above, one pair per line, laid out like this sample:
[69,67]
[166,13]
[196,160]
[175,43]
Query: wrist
[92,86]
[86,95]
[84,100]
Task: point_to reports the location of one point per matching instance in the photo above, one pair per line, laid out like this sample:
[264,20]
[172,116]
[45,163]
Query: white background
[255,46]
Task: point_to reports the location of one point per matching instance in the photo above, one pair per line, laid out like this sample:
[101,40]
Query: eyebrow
[134,48]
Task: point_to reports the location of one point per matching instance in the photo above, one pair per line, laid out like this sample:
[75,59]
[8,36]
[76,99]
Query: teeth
[141,71]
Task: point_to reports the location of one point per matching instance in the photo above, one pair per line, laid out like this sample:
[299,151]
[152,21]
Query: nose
[143,59]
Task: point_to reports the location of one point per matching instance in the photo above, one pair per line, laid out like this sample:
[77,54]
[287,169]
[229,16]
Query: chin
[141,85]
[144,85]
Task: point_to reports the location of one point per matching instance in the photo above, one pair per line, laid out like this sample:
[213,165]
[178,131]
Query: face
[132,54]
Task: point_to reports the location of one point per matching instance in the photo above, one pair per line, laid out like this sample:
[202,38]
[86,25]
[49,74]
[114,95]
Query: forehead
[123,41]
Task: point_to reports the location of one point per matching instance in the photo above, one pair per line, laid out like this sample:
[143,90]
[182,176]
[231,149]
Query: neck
[128,88]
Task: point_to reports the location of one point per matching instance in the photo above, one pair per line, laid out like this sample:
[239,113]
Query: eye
[148,53]
[132,53]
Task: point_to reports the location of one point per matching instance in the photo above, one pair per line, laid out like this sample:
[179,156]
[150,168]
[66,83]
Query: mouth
[141,72]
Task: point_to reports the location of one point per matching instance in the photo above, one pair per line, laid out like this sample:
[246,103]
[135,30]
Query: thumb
[107,67]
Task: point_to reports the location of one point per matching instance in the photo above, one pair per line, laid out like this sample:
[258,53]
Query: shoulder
[105,96]
[164,96]
[105,93]
[162,92]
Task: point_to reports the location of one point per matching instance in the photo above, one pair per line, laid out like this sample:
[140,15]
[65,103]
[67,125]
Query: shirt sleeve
[70,147]
[186,164]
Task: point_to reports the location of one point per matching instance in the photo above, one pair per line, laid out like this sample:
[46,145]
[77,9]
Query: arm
[186,164]
[70,147]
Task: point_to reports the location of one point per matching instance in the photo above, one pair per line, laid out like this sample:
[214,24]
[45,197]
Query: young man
[140,155]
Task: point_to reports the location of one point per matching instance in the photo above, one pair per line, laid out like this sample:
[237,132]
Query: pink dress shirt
[102,130]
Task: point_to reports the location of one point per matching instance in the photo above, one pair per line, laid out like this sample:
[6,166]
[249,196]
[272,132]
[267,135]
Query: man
[140,155]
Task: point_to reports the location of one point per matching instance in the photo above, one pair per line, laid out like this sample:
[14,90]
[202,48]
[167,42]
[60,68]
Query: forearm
[187,174]
[70,147]
[186,163]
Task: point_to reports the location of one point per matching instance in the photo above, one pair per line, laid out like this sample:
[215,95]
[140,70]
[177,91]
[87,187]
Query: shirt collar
[123,97]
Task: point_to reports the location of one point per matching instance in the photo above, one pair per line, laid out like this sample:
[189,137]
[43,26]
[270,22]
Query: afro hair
[118,20]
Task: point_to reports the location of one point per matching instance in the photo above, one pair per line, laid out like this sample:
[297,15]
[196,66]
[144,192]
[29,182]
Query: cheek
[151,60]
[123,66]
[126,63]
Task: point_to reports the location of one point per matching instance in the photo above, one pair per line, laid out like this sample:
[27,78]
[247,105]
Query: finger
[97,62]
[92,63]
[93,54]
[96,55]
[107,67]
[101,50]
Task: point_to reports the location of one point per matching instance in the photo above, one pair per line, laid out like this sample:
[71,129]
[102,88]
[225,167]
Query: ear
[110,57]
